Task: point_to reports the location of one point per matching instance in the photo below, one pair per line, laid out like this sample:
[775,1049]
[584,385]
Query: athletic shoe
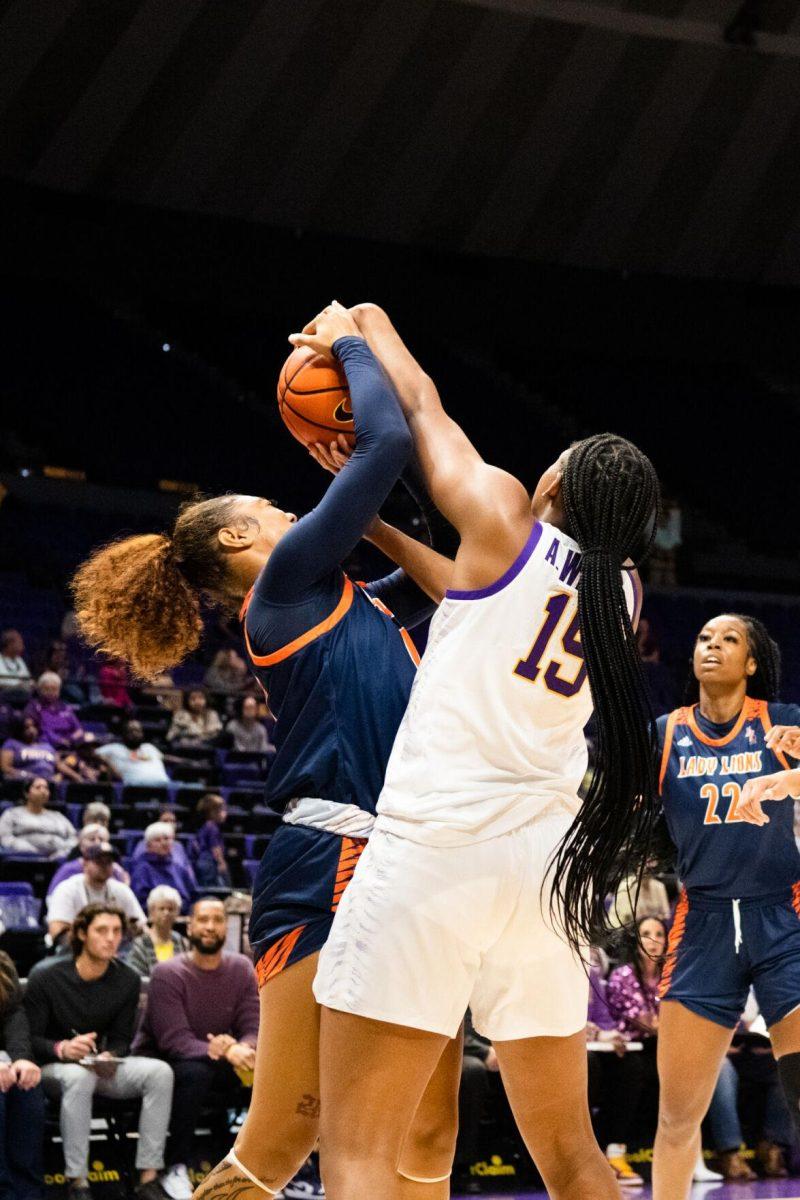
[176,1183]
[306,1184]
[704,1174]
[626,1176]
[79,1192]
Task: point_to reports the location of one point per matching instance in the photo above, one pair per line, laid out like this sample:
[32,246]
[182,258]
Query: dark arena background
[581,216]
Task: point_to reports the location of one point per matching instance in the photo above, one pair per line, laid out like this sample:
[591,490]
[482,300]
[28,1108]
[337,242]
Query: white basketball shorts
[423,932]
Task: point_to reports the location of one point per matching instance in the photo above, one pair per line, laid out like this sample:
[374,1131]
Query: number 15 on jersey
[559,631]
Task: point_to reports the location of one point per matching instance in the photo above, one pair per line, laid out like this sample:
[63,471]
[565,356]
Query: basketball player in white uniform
[451,903]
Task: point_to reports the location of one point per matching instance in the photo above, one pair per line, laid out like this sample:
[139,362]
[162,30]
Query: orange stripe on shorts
[675,939]
[273,961]
[350,853]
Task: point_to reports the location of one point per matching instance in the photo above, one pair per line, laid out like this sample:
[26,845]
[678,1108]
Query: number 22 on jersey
[559,631]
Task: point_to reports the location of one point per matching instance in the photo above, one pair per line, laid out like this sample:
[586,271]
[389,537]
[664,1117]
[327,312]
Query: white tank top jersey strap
[493,734]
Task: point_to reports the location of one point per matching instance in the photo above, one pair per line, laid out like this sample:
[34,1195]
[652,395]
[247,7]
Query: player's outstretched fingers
[749,807]
[784,739]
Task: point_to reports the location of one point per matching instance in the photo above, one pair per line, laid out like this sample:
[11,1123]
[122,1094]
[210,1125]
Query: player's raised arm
[426,567]
[485,504]
[321,539]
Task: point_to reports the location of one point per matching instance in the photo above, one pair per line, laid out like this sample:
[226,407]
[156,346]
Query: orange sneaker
[626,1176]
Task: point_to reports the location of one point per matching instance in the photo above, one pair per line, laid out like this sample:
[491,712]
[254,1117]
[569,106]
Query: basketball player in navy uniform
[337,667]
[737,924]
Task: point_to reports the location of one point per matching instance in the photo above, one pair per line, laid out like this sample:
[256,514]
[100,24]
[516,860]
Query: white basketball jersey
[493,734]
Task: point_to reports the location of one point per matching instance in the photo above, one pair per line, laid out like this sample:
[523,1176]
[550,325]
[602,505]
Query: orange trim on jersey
[767,723]
[305,639]
[796,898]
[404,634]
[672,720]
[751,710]
[350,853]
[675,939]
[274,960]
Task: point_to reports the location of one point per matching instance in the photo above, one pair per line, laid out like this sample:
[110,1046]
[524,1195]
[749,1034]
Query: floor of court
[786,1189]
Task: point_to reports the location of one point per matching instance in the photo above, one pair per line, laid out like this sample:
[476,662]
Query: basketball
[313,398]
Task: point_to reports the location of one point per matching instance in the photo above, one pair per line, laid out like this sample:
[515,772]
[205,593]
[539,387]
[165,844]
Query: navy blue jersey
[703,770]
[338,690]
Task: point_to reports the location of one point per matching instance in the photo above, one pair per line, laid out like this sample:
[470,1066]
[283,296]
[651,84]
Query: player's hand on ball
[784,739]
[327,327]
[333,455]
[767,787]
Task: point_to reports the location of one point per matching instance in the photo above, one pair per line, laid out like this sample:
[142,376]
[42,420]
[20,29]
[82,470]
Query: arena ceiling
[629,135]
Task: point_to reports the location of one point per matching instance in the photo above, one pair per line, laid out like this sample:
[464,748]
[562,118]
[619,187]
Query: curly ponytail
[138,599]
[610,494]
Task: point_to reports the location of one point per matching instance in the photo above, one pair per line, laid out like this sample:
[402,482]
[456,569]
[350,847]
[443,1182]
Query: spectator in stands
[82,1010]
[158,865]
[31,828]
[227,674]
[633,1002]
[15,678]
[113,680]
[95,884]
[89,835]
[208,847]
[7,718]
[659,679]
[479,1065]
[133,760]
[28,754]
[97,813]
[196,723]
[21,1097]
[159,942]
[58,722]
[662,564]
[652,901]
[202,1017]
[56,659]
[166,816]
[246,731]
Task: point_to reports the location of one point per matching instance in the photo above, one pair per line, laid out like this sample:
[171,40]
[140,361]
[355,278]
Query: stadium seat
[134,794]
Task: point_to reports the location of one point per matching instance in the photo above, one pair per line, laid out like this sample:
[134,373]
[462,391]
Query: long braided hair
[610,494]
[765,682]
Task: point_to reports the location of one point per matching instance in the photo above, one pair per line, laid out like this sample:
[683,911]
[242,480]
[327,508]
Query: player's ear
[238,536]
[751,666]
[553,490]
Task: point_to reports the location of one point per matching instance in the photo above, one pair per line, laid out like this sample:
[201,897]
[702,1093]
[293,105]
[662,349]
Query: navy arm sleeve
[409,603]
[319,542]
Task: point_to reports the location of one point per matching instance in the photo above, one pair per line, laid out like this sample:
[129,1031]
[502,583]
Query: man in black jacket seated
[82,1012]
[21,1099]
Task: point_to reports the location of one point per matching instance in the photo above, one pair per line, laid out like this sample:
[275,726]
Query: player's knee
[430,1148]
[789,1072]
[678,1122]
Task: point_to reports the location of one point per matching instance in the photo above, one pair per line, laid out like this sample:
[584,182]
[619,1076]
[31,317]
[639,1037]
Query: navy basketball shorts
[301,879]
[719,949]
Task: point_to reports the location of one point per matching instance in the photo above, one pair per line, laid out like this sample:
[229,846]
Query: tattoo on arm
[235,1187]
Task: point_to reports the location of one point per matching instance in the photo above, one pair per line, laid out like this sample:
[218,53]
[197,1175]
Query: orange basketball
[313,398]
